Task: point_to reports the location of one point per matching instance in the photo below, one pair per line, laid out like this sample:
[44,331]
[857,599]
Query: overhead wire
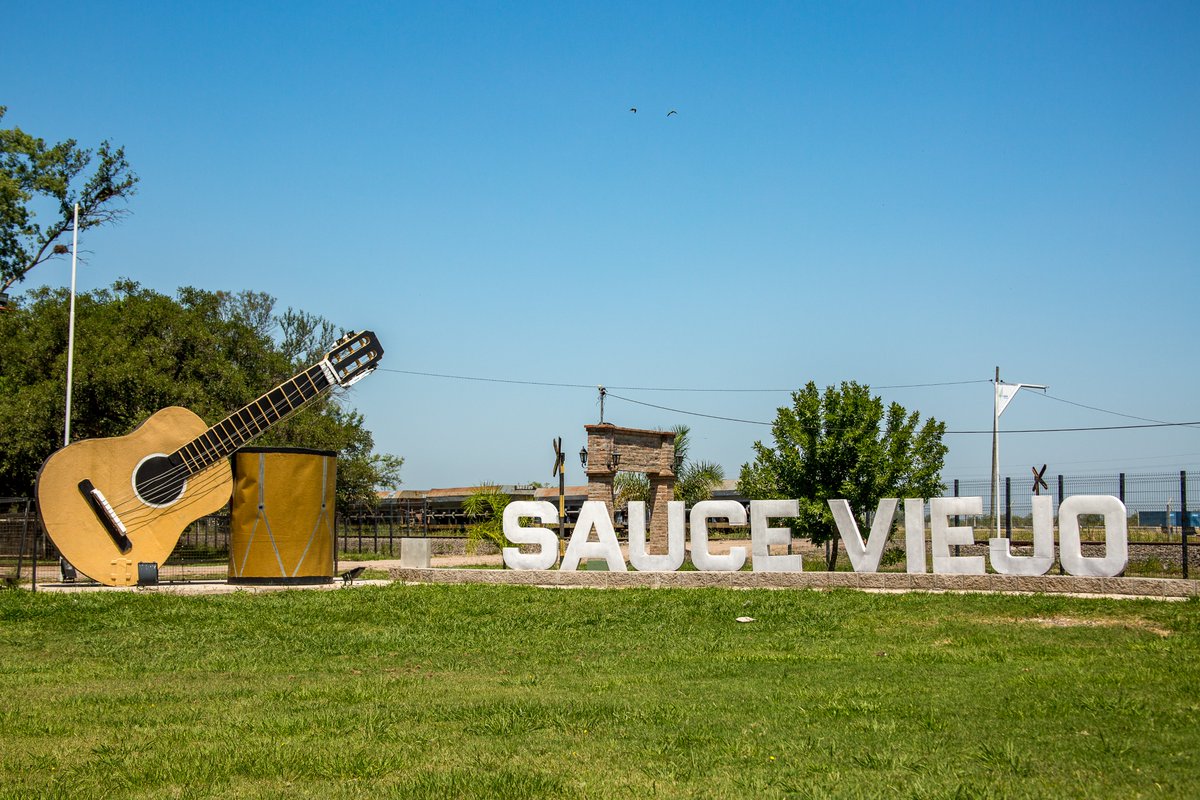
[561,385]
[1103,410]
[689,413]
[1148,423]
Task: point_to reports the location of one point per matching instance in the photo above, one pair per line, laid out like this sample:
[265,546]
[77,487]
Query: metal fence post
[1008,508]
[1061,571]
[956,515]
[1121,480]
[1184,528]
[21,547]
[37,536]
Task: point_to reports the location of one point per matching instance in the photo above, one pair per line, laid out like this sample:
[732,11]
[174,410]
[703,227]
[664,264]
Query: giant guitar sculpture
[111,504]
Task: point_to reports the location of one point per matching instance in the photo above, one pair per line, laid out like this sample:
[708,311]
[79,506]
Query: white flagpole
[997,410]
[71,329]
[995,452]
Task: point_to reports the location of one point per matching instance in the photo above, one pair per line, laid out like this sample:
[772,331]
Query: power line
[689,413]
[651,388]
[924,385]
[1029,430]
[490,380]
[1105,410]
[1094,428]
[1149,424]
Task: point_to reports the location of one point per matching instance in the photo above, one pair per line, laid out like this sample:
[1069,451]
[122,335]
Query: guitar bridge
[107,516]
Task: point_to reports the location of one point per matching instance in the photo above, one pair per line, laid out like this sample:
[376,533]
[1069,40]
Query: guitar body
[151,510]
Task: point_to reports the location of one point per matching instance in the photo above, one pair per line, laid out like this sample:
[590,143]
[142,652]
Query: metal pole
[562,502]
[1183,517]
[997,410]
[1061,571]
[956,515]
[33,564]
[71,329]
[996,452]
[24,535]
[1007,507]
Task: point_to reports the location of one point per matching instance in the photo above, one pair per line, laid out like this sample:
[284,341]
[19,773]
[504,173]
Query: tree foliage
[53,178]
[137,351]
[844,444]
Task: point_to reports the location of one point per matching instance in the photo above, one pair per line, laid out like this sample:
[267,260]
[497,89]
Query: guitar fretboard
[241,426]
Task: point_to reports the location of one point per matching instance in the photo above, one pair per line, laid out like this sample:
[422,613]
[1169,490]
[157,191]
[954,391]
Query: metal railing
[1157,504]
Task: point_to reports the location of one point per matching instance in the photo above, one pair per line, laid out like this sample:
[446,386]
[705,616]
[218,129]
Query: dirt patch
[1076,622]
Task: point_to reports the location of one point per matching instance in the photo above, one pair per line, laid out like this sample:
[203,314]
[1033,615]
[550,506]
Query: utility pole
[1001,397]
[71,329]
[561,470]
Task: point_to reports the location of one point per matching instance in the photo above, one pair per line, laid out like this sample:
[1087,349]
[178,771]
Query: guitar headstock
[353,357]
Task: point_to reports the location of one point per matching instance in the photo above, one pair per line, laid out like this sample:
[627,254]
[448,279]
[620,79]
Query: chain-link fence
[1157,503]
[1162,509]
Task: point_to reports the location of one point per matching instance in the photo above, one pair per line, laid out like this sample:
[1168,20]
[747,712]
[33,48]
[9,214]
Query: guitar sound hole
[158,482]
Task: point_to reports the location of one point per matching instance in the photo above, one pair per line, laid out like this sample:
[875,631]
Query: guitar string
[142,517]
[258,424]
[130,500]
[136,511]
[259,421]
[135,514]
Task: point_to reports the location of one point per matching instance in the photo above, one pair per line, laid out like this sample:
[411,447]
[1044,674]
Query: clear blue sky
[894,193]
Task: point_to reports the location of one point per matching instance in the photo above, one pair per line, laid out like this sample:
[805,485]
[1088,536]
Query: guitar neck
[222,439]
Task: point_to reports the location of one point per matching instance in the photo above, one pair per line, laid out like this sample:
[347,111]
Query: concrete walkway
[453,569]
[1151,588]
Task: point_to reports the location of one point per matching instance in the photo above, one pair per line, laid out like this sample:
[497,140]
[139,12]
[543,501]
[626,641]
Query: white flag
[1004,395]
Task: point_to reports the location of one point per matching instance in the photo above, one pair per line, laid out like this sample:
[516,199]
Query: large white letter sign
[762,537]
[1005,563]
[701,513]
[643,561]
[942,535]
[594,514]
[1116,537]
[865,557]
[545,538]
[914,535]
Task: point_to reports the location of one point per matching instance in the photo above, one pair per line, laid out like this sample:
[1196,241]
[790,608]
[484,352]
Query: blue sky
[893,193]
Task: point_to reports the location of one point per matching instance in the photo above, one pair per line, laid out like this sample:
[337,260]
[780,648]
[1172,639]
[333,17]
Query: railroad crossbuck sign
[1039,479]
[541,544]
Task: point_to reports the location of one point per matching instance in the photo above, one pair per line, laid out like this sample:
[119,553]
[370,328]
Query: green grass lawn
[496,691]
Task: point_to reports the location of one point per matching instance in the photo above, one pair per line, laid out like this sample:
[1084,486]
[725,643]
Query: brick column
[600,487]
[662,491]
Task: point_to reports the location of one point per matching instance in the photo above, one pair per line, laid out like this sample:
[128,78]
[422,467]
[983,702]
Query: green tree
[137,351]
[35,175]
[844,444]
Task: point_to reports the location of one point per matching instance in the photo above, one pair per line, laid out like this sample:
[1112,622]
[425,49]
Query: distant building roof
[547,492]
